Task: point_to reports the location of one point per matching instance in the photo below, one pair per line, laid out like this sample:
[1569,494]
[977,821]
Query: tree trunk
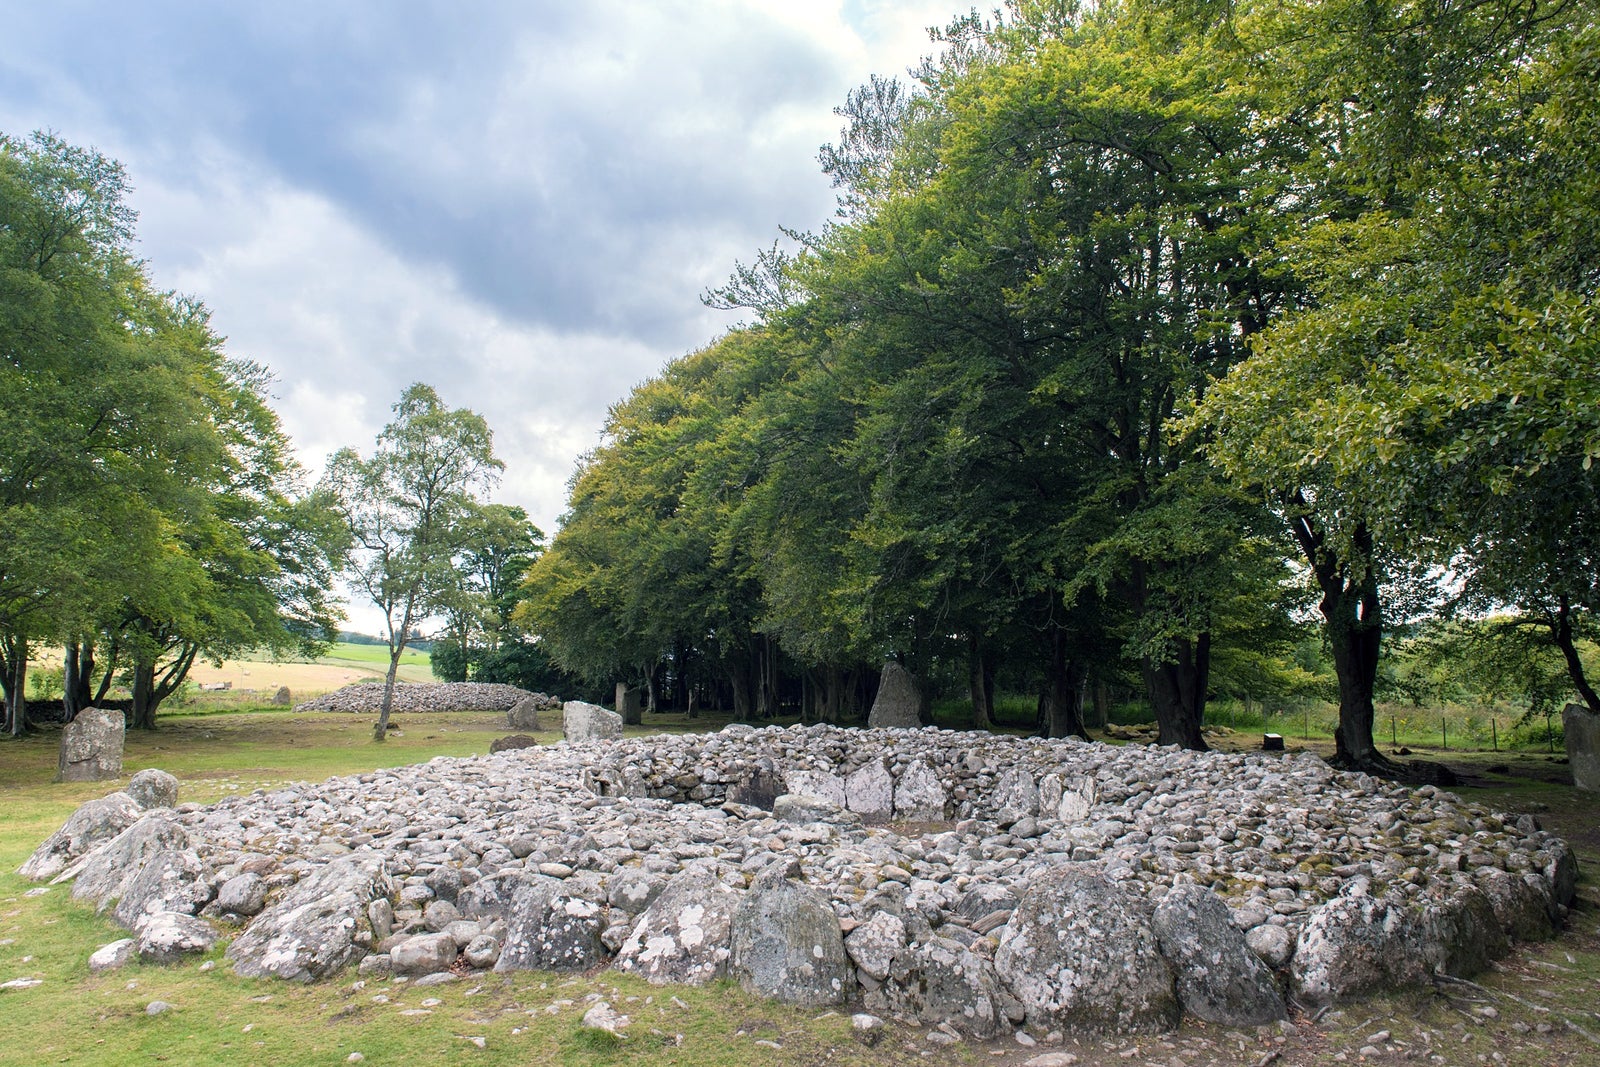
[1177,690]
[740,682]
[1060,703]
[1353,615]
[380,729]
[143,715]
[980,684]
[16,678]
[77,667]
[1562,633]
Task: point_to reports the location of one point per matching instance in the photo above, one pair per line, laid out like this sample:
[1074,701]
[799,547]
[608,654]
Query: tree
[148,502]
[409,510]
[1442,241]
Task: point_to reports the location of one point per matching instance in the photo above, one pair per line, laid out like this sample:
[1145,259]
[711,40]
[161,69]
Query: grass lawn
[1537,1008]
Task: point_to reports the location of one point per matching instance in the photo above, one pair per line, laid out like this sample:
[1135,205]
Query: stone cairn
[968,879]
[414,697]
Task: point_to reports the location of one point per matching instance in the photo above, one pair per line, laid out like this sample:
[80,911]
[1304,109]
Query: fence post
[1444,731]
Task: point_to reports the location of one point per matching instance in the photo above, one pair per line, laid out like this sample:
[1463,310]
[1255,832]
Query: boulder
[1274,944]
[243,894]
[316,927]
[103,875]
[632,889]
[797,808]
[490,898]
[940,981]
[113,956]
[93,823]
[423,954]
[1355,945]
[1016,796]
[589,722]
[172,880]
[169,936]
[1582,728]
[550,929]
[1521,908]
[787,944]
[1463,933]
[91,746]
[1219,979]
[875,943]
[898,704]
[808,782]
[685,935]
[1080,954]
[869,791]
[151,788]
[512,743]
[281,697]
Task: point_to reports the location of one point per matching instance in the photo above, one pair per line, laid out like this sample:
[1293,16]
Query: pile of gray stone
[967,879]
[413,697]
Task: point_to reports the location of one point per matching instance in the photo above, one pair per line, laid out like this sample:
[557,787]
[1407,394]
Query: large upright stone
[524,714]
[589,722]
[1582,728]
[898,705]
[869,791]
[91,746]
[1080,954]
[918,794]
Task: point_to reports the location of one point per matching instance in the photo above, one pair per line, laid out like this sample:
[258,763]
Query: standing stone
[898,705]
[589,722]
[787,944]
[1582,728]
[524,714]
[1219,979]
[282,698]
[93,824]
[151,788]
[1079,953]
[91,746]
[629,704]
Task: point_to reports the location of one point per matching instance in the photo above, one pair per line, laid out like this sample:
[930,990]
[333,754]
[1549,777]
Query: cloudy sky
[516,202]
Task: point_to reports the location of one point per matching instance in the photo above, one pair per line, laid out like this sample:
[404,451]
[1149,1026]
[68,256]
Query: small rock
[156,1007]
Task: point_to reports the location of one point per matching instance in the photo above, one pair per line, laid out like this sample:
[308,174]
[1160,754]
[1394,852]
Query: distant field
[345,664]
